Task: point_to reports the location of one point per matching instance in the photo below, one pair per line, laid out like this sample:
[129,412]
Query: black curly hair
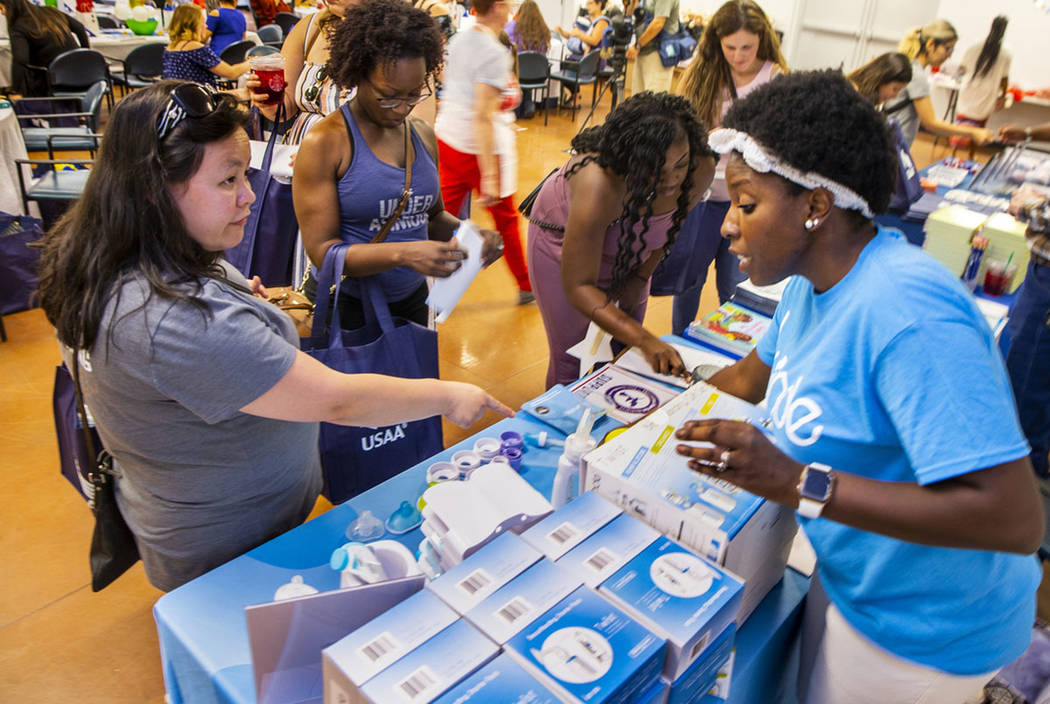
[817,122]
[632,143]
[378,33]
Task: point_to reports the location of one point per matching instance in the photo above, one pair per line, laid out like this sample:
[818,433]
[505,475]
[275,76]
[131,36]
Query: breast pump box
[501,680]
[432,668]
[351,662]
[600,555]
[679,597]
[586,650]
[467,584]
[570,525]
[702,676]
[640,471]
[522,600]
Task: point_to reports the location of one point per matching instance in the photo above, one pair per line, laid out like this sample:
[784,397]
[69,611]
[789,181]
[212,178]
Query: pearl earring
[811,223]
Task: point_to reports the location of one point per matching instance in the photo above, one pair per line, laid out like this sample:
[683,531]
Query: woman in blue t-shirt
[350,170]
[227,25]
[894,431]
[187,57]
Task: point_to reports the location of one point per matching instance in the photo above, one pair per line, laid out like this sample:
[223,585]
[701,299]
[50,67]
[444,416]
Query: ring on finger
[723,461]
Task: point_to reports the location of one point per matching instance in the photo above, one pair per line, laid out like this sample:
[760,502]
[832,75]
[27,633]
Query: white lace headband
[725,140]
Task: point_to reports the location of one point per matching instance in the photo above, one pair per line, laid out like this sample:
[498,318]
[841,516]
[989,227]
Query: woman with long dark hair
[38,34]
[197,386]
[603,222]
[738,52]
[987,68]
[350,170]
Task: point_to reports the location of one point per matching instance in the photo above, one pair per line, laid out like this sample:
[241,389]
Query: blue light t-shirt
[226,28]
[893,374]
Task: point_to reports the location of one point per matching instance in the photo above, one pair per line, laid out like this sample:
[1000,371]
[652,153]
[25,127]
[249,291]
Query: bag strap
[410,157]
[94,476]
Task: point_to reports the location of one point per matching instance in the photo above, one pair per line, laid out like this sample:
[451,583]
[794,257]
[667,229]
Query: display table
[201,625]
[12,147]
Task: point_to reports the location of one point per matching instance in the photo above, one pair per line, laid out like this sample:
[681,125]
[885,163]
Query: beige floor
[60,642]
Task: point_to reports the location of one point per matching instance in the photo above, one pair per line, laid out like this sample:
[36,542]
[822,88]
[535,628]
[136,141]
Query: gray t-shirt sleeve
[919,87]
[493,64]
[215,366]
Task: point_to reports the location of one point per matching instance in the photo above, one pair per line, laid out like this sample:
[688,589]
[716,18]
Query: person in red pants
[475,130]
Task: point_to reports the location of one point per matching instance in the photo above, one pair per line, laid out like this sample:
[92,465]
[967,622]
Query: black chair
[271,34]
[143,66]
[263,50]
[285,20]
[74,72]
[533,73]
[108,22]
[64,185]
[580,73]
[237,52]
[83,137]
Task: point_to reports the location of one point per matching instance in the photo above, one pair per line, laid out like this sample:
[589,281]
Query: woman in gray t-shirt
[197,386]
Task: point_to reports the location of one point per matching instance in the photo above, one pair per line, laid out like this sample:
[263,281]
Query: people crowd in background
[38,34]
[187,57]
[226,24]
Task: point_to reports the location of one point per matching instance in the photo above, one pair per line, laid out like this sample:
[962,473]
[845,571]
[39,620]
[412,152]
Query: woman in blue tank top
[350,169]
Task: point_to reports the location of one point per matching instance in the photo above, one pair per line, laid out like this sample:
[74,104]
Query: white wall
[1026,34]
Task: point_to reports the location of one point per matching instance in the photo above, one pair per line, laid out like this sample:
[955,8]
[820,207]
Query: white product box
[501,680]
[640,471]
[522,600]
[466,515]
[600,555]
[465,586]
[586,650]
[431,669]
[679,597]
[364,653]
[624,395]
[696,682]
[570,525]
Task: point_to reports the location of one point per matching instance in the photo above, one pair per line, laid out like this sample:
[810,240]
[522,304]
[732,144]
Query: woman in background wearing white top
[987,66]
[928,47]
[738,52]
[475,129]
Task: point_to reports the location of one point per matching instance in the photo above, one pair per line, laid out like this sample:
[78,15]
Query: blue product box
[587,651]
[696,682]
[678,596]
[432,668]
[657,694]
[467,584]
[381,642]
[570,525]
[599,556]
[522,600]
[502,680]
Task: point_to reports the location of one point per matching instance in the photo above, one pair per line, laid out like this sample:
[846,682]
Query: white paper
[280,164]
[596,346]
[446,292]
[635,361]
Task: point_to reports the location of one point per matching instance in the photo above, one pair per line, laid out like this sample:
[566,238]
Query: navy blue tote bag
[18,261]
[268,247]
[356,459]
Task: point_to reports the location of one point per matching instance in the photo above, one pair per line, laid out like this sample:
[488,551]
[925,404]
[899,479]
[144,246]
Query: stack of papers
[948,234]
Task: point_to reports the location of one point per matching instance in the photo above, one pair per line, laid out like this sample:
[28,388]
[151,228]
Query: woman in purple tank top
[350,170]
[603,222]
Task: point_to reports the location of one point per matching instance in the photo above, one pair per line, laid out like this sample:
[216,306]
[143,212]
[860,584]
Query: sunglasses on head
[186,100]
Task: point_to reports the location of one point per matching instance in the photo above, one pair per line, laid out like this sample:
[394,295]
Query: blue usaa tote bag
[356,459]
[268,247]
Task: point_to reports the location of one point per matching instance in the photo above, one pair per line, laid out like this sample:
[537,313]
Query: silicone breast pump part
[366,527]
[576,446]
[543,439]
[404,519]
[293,588]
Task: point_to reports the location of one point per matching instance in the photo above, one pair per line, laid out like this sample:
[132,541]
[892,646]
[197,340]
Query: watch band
[811,506]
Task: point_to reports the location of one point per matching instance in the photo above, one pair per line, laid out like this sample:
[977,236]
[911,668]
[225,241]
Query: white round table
[12,147]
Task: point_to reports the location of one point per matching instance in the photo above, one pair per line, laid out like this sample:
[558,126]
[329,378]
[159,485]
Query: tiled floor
[59,641]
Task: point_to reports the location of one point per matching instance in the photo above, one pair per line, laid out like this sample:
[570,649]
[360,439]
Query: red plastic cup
[997,277]
[269,70]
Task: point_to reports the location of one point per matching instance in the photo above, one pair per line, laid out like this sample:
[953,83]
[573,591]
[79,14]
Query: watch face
[816,485]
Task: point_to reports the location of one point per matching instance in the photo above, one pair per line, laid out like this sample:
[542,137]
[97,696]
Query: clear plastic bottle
[577,445]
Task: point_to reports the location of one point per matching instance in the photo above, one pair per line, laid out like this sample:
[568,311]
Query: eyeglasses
[391,103]
[187,100]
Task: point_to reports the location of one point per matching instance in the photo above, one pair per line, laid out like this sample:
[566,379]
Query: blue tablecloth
[201,625]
